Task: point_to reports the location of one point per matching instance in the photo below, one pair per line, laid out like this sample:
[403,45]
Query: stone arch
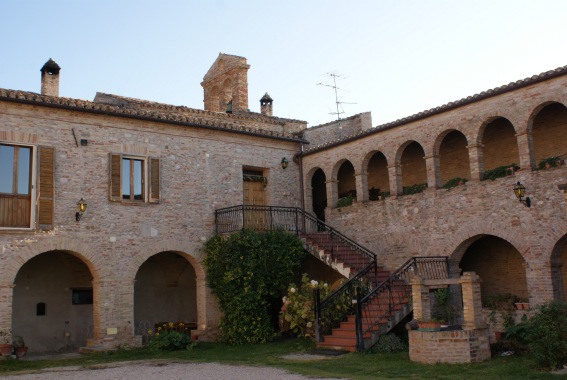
[317,192]
[558,264]
[499,143]
[345,177]
[77,248]
[207,311]
[375,165]
[451,148]
[547,128]
[411,159]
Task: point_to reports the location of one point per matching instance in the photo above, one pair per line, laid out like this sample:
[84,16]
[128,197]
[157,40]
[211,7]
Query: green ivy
[552,161]
[344,201]
[245,271]
[455,182]
[415,189]
[501,171]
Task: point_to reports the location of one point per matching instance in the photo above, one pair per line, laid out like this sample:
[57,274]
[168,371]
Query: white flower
[309,324]
[314,283]
[292,290]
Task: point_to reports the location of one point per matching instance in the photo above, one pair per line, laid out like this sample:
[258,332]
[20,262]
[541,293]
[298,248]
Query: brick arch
[452,160]
[558,263]
[164,246]
[537,109]
[309,174]
[368,157]
[467,234]
[206,314]
[441,136]
[77,248]
[402,147]
[486,122]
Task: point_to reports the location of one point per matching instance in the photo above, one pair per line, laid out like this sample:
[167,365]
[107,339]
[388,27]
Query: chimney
[50,78]
[266,105]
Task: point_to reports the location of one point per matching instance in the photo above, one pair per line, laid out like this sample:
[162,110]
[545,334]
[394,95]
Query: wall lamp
[82,207]
[284,163]
[520,192]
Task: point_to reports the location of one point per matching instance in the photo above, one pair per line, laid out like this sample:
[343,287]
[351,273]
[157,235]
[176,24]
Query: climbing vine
[245,271]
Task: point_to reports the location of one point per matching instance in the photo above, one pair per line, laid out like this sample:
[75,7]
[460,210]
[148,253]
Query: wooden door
[255,195]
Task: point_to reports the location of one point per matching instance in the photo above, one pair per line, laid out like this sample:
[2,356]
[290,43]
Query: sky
[393,58]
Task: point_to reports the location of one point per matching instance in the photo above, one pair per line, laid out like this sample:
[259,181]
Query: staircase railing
[382,302]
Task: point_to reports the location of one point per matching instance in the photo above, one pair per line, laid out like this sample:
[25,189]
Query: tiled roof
[444,108]
[180,115]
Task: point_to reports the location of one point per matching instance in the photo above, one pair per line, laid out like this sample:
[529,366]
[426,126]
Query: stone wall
[459,346]
[335,131]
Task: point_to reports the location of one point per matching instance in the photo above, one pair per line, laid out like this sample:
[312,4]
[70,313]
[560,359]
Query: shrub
[388,344]
[551,161]
[500,171]
[415,189]
[170,337]
[344,201]
[298,310]
[245,271]
[455,182]
[547,335]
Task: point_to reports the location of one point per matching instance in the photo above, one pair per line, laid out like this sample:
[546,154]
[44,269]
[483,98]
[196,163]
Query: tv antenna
[337,102]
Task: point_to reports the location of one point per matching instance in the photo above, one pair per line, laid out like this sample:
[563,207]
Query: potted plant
[20,348]
[6,346]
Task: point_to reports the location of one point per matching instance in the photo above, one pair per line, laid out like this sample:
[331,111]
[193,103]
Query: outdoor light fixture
[520,192]
[285,162]
[82,207]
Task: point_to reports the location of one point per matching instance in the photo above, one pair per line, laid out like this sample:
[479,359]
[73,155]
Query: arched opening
[346,180]
[559,269]
[414,171]
[454,157]
[319,193]
[500,145]
[165,291]
[378,178]
[53,303]
[500,266]
[549,133]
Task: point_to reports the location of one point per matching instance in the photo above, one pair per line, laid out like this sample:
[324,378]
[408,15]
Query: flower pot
[20,352]
[526,306]
[429,326]
[519,305]
[499,335]
[6,349]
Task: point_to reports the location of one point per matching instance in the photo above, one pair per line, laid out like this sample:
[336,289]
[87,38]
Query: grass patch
[358,366]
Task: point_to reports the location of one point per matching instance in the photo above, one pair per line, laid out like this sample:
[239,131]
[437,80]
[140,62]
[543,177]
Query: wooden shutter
[115,177]
[154,180]
[46,187]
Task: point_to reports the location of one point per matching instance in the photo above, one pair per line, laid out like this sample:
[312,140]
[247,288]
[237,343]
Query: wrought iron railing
[379,305]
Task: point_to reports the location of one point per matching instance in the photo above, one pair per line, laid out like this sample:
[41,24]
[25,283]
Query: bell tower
[226,85]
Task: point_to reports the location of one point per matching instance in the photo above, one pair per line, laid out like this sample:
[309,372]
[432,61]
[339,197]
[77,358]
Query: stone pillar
[527,160]
[332,193]
[421,302]
[308,198]
[394,175]
[361,187]
[432,168]
[472,304]
[6,303]
[476,161]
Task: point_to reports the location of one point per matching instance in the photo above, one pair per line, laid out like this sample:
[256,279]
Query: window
[82,296]
[128,179]
[18,200]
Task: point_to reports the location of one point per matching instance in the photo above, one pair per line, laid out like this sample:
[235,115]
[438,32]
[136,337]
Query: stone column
[332,193]
[476,161]
[527,159]
[6,303]
[432,168]
[472,304]
[394,175]
[308,198]
[361,187]
[421,303]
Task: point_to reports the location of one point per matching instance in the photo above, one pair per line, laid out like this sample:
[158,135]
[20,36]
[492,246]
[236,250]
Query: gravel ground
[161,370]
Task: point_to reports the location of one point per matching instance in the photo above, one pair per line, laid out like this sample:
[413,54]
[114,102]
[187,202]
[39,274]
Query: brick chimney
[50,78]
[266,105]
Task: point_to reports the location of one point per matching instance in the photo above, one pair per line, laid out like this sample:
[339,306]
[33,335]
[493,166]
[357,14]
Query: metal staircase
[371,302]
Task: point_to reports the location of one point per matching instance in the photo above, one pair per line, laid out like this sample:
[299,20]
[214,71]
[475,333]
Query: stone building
[152,176]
